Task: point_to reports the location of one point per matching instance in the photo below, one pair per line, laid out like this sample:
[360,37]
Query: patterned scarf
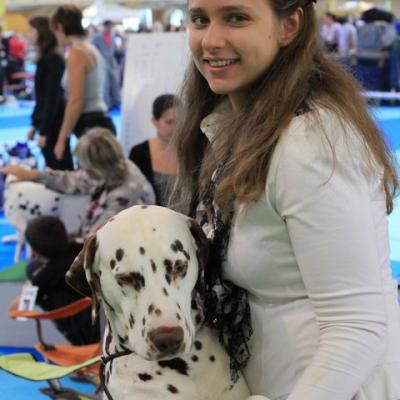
[226,306]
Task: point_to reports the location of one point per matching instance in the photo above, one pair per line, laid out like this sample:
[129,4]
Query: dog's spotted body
[146,264]
[25,200]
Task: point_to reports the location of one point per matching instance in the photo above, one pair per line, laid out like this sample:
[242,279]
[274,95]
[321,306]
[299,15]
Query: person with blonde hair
[113,182]
[289,176]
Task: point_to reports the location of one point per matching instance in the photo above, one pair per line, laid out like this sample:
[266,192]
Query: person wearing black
[156,157]
[48,114]
[52,255]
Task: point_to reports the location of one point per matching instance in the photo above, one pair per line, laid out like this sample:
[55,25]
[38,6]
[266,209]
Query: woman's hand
[59,148]
[31,133]
[42,141]
[21,173]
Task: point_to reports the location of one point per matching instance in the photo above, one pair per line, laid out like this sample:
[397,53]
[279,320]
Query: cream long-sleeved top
[313,254]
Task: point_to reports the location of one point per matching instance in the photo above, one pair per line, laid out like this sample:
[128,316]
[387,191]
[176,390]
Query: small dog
[146,264]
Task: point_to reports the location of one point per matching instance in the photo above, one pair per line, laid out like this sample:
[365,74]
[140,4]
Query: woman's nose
[214,37]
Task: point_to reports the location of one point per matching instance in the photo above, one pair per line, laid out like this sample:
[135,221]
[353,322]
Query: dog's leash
[104,361]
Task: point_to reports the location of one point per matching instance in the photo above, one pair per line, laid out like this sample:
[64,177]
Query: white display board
[155,65]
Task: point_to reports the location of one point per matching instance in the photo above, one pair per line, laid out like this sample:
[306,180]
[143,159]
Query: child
[52,255]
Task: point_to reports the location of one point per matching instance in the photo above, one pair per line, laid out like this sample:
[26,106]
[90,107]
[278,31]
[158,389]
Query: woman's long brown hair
[300,75]
[46,41]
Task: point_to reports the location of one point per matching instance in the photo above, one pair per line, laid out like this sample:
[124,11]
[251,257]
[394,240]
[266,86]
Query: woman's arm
[77,66]
[328,208]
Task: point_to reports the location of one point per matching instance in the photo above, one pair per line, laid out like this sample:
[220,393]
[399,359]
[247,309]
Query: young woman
[50,103]
[292,182]
[156,157]
[84,78]
[112,182]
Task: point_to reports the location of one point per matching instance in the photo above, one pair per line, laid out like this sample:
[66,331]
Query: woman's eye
[198,20]
[236,19]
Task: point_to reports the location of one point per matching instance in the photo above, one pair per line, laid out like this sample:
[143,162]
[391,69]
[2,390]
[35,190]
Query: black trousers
[65,163]
[94,119]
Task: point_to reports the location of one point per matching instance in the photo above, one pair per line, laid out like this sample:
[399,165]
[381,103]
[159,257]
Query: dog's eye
[180,269]
[133,279]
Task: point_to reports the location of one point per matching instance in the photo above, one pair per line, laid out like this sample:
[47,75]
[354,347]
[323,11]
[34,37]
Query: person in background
[52,255]
[347,44]
[49,109]
[285,169]
[112,182]
[3,63]
[156,157]
[105,43]
[16,59]
[84,78]
[330,33]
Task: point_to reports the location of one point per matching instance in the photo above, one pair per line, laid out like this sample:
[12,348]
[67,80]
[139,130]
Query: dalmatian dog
[146,264]
[24,200]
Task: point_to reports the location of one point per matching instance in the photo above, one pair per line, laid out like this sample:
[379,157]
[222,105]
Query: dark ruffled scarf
[226,305]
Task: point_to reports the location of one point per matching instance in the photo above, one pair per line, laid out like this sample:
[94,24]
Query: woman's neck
[74,40]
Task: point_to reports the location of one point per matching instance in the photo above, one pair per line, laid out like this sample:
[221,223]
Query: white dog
[24,200]
[146,264]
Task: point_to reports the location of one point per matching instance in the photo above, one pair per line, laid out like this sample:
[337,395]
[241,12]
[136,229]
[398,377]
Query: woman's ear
[290,27]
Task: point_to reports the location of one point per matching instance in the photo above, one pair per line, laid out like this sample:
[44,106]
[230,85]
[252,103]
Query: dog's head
[147,265]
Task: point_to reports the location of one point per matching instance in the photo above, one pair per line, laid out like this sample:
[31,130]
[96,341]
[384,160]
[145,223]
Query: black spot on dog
[22,207]
[151,309]
[158,312]
[19,194]
[119,254]
[168,265]
[144,321]
[159,373]
[142,250]
[134,279]
[145,377]
[165,291]
[56,199]
[131,321]
[142,332]
[168,279]
[54,209]
[212,358]
[179,245]
[198,345]
[153,266]
[143,207]
[193,304]
[176,364]
[154,229]
[178,317]
[172,389]
[112,264]
[122,339]
[195,358]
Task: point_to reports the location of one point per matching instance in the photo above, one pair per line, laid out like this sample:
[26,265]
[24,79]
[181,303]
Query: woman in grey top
[83,80]
[112,182]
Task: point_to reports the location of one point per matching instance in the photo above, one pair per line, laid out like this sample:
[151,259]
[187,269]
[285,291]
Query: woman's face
[165,125]
[233,41]
[32,35]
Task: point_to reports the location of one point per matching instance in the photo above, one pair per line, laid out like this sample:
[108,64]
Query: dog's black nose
[167,340]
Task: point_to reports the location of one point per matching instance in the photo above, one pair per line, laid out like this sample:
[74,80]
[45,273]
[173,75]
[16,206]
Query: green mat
[15,273]
[25,366]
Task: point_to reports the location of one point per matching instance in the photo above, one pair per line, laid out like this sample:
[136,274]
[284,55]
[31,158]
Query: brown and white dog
[146,264]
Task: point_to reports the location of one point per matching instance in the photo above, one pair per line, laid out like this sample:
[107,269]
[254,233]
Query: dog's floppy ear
[80,275]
